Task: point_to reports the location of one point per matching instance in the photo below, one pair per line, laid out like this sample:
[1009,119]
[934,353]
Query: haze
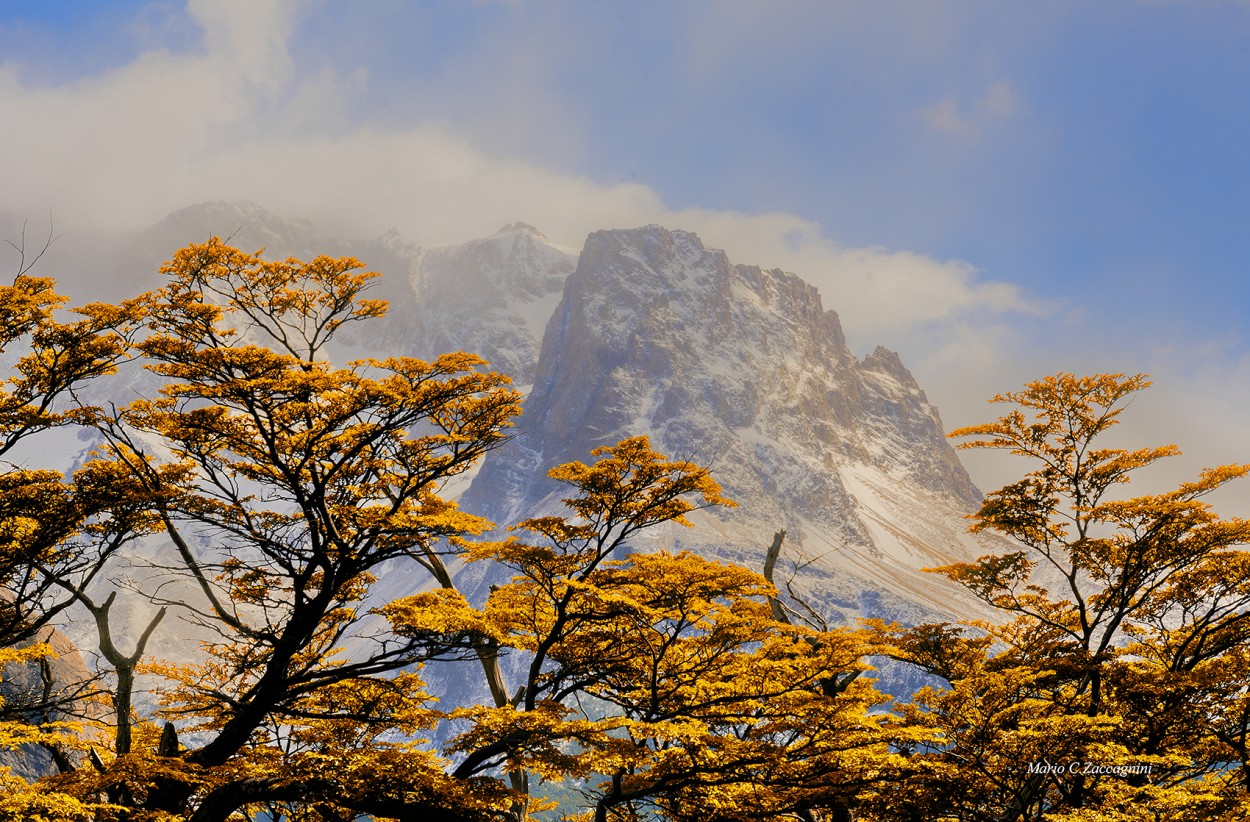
[997,192]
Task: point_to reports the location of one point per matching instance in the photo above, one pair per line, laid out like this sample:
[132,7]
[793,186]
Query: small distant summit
[244,211]
[884,360]
[242,223]
[520,228]
[491,296]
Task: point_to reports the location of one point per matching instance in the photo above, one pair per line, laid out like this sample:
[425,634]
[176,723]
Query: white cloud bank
[124,149]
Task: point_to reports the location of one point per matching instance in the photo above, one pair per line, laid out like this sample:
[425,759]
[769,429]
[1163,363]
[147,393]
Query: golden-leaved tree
[711,706]
[50,529]
[1114,686]
[287,485]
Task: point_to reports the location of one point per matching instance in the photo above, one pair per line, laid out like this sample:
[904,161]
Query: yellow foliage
[20,802]
[287,485]
[441,611]
[1113,687]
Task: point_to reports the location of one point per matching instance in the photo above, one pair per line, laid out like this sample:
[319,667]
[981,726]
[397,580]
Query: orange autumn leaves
[655,685]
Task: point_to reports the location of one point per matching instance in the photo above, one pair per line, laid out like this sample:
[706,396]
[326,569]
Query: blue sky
[996,190]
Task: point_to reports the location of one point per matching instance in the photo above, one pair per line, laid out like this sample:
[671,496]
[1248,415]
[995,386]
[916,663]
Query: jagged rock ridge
[743,369]
[649,332]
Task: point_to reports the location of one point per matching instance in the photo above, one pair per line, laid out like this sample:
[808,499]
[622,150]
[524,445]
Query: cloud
[945,117]
[877,291]
[999,103]
[241,120]
[1001,100]
[252,34]
[121,150]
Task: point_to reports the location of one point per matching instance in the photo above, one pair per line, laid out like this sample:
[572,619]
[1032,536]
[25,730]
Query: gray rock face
[742,369]
[649,332]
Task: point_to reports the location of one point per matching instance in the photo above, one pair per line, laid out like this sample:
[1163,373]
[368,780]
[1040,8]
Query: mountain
[742,369]
[491,297]
[646,331]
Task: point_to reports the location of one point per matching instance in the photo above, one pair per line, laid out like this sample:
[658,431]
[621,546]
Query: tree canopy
[657,685]
[1114,684]
[287,484]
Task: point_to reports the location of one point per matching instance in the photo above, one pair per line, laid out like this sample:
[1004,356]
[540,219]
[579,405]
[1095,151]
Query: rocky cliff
[743,369]
[646,331]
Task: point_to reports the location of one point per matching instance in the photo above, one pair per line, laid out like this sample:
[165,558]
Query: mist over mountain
[646,331]
[491,297]
[743,369]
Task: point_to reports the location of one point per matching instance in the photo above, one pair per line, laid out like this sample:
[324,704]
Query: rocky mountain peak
[520,228]
[886,361]
[648,331]
[741,368]
[491,297]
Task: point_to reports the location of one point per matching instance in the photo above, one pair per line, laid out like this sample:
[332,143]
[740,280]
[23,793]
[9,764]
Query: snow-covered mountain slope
[743,370]
[648,332]
[491,297]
